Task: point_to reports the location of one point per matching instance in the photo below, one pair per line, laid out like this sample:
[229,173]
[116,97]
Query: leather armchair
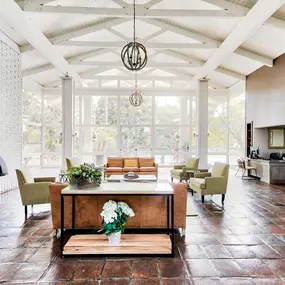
[179,171]
[33,190]
[207,183]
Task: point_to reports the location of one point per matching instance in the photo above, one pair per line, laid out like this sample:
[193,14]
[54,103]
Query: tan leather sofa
[150,212]
[120,165]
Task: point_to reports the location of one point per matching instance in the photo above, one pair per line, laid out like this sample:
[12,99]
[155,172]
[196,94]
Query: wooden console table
[131,244]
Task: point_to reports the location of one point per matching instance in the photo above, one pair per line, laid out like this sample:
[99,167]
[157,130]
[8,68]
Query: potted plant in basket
[115,216]
[85,176]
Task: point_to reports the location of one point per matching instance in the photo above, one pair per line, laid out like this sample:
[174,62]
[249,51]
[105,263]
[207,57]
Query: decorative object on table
[63,176]
[115,216]
[134,55]
[86,176]
[131,175]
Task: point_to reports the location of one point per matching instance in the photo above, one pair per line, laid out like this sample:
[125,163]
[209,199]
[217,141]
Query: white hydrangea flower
[126,209]
[110,205]
[109,216]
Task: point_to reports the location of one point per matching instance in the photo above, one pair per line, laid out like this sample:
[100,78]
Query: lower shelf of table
[130,244]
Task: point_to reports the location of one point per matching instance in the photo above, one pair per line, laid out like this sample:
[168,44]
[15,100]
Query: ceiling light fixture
[134,54]
[136,98]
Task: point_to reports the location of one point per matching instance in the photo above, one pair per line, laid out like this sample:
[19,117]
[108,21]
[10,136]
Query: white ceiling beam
[154,35]
[37,69]
[255,18]
[19,21]
[198,37]
[45,67]
[121,3]
[151,3]
[99,25]
[116,33]
[194,60]
[23,3]
[141,12]
[151,45]
[272,21]
[120,64]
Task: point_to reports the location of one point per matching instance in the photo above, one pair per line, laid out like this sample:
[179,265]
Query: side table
[63,177]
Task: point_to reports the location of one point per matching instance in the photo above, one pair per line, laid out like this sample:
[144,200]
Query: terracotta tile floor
[245,244]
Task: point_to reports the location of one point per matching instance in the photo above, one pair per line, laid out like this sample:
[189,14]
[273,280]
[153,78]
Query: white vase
[115,238]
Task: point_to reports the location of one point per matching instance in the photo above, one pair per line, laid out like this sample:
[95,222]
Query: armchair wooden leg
[192,192]
[223,198]
[180,180]
[26,212]
[171,179]
[203,199]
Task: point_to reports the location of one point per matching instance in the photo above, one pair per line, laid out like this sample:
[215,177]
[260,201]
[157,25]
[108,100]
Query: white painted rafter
[45,67]
[198,37]
[25,3]
[272,21]
[121,3]
[151,45]
[102,24]
[255,18]
[194,60]
[141,12]
[120,64]
[151,3]
[17,19]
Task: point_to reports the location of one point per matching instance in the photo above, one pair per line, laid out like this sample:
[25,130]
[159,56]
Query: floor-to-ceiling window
[105,124]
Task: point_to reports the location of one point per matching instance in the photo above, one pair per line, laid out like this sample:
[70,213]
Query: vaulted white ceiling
[186,40]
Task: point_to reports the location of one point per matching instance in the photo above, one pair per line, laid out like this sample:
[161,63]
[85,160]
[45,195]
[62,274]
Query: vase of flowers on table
[85,176]
[115,216]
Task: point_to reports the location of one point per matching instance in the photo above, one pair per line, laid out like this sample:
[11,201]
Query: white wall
[10,111]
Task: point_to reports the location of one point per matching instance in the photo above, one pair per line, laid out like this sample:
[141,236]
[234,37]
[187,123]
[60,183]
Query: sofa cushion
[114,169]
[146,162]
[115,162]
[131,162]
[198,182]
[147,169]
[127,169]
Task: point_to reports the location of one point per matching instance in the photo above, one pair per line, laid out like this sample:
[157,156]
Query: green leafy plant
[115,216]
[85,172]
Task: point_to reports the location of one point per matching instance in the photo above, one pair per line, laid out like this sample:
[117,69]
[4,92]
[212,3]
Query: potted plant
[85,176]
[115,216]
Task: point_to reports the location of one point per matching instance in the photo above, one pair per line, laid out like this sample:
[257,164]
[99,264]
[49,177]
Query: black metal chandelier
[134,55]
[136,98]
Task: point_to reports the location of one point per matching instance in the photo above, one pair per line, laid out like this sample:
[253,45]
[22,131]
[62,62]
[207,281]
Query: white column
[202,122]
[67,117]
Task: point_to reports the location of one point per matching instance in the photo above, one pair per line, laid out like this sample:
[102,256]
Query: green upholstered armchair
[72,162]
[33,190]
[211,183]
[179,171]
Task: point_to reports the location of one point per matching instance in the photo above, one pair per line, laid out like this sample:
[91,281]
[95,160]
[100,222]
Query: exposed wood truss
[255,18]
[141,12]
[198,37]
[16,18]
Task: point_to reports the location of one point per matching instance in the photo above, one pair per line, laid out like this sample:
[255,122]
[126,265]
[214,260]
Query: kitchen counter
[269,171]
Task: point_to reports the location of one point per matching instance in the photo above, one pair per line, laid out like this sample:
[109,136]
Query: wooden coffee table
[141,178]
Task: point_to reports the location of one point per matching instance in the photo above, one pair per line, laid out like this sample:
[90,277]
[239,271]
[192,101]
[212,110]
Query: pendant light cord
[134,21]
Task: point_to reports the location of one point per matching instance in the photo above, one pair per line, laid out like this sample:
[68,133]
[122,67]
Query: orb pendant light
[136,98]
[134,54]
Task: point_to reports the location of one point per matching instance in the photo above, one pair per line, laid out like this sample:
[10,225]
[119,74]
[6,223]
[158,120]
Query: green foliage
[118,225]
[87,172]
